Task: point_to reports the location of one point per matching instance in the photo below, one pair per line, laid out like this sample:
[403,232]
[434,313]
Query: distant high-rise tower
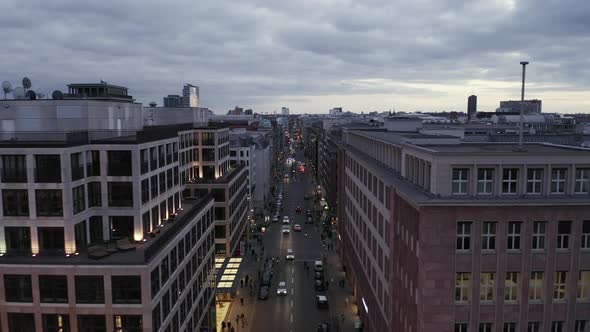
[173,101]
[285,110]
[471,107]
[190,96]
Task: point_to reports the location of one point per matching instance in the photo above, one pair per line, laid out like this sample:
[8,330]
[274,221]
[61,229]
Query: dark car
[309,220]
[318,275]
[319,285]
[298,209]
[263,293]
[324,327]
[266,278]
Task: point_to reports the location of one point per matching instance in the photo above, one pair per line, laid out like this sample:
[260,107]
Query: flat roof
[505,148]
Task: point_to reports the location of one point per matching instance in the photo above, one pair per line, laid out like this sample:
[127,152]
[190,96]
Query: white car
[282,288]
[290,255]
[285,219]
[286,229]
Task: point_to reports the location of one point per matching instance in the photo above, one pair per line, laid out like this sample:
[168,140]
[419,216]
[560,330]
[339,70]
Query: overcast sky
[311,55]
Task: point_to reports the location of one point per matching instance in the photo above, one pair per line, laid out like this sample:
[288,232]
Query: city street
[298,310]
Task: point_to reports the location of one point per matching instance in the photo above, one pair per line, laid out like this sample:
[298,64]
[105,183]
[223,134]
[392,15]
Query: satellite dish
[6,87]
[18,93]
[31,95]
[57,95]
[27,83]
[153,104]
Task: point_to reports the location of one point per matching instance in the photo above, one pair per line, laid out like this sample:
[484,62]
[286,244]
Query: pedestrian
[241,300]
[223,326]
[241,283]
[342,317]
[237,319]
[327,284]
[247,278]
[229,325]
[346,301]
[243,320]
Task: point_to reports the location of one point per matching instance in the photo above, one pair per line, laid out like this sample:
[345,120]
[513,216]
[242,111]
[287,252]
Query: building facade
[190,96]
[471,107]
[439,235]
[173,101]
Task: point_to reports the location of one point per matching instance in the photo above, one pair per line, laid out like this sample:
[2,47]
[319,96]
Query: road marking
[291,318]
[291,303]
[292,291]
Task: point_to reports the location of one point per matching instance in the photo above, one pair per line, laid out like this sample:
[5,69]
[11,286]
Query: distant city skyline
[370,56]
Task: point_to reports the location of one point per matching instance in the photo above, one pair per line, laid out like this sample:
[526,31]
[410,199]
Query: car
[285,219]
[322,301]
[309,220]
[286,230]
[286,176]
[319,275]
[318,285]
[263,293]
[282,288]
[275,218]
[324,327]
[297,228]
[290,255]
[308,213]
[266,276]
[298,209]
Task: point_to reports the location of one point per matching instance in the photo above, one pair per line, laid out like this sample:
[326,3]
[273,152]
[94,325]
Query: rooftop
[505,148]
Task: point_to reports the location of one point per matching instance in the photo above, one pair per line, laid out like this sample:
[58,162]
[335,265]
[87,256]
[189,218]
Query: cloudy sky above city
[312,55]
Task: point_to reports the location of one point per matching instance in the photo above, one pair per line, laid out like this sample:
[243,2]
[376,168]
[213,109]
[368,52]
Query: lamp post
[523,63]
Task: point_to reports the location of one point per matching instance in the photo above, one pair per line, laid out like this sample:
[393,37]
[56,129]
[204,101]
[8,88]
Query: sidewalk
[338,295]
[250,268]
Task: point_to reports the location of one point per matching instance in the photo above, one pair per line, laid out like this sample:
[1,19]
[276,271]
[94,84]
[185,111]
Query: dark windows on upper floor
[18,288]
[126,289]
[94,194]
[15,202]
[93,163]
[208,138]
[77,166]
[463,236]
[144,160]
[145,191]
[55,323]
[128,323]
[92,323]
[49,202]
[153,186]
[89,289]
[53,289]
[51,239]
[14,169]
[153,158]
[78,199]
[18,239]
[47,168]
[21,322]
[120,193]
[208,154]
[119,163]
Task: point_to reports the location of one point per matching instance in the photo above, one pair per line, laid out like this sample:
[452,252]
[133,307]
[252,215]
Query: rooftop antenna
[7,88]
[523,63]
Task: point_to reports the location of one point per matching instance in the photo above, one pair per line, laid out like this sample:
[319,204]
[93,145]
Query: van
[319,266]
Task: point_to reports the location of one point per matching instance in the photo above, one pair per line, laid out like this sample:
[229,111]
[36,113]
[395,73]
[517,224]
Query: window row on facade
[536,181]
[156,157]
[25,322]
[512,282]
[515,231]
[158,184]
[580,325]
[88,289]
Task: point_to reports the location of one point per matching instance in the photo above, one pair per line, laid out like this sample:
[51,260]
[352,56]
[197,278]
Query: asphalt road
[298,310]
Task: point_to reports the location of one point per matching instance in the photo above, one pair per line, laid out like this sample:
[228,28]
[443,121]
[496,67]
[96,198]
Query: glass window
[89,289]
[560,285]
[79,199]
[156,318]
[128,323]
[18,239]
[558,180]
[21,322]
[154,186]
[462,286]
[93,163]
[162,179]
[534,327]
[536,286]
[53,289]
[155,281]
[534,182]
[126,289]
[47,169]
[488,236]
[55,323]
[121,227]
[486,327]
[145,191]
[144,159]
[77,166]
[584,286]
[119,163]
[94,194]
[49,202]
[463,235]
[92,323]
[509,180]
[564,229]
[511,290]
[585,238]
[51,239]
[486,286]
[580,326]
[120,193]
[18,288]
[514,228]
[14,168]
[460,181]
[461,327]
[95,228]
[485,181]
[509,327]
[557,326]
[582,185]
[153,158]
[538,235]
[15,202]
